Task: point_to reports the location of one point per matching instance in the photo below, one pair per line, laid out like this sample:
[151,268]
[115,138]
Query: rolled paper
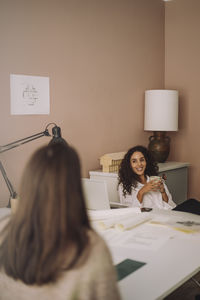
[131,223]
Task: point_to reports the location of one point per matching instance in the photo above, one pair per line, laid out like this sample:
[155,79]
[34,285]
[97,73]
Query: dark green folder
[127,267]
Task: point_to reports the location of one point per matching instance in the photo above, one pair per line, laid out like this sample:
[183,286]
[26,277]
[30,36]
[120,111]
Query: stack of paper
[186,226]
[129,223]
[95,215]
[120,219]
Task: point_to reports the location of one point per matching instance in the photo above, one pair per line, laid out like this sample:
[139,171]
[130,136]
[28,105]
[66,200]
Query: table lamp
[56,138]
[160,116]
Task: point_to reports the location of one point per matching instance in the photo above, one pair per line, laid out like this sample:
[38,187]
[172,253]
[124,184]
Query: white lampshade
[161,110]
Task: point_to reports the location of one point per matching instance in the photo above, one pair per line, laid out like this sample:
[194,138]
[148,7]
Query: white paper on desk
[147,240]
[101,225]
[181,224]
[114,238]
[95,215]
[105,224]
[121,222]
[143,237]
[130,223]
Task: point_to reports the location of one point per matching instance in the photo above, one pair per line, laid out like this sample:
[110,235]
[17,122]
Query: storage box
[110,162]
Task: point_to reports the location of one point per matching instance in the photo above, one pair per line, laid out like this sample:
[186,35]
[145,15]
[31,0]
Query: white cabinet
[177,180]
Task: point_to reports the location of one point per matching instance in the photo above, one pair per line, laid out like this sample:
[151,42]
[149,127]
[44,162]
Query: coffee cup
[155,178]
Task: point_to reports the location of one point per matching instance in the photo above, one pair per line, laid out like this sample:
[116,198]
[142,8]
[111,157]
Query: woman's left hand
[163,192]
[161,187]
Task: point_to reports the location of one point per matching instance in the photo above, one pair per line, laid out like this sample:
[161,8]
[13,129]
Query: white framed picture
[29,95]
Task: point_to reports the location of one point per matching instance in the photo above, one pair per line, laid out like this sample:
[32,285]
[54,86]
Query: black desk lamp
[56,138]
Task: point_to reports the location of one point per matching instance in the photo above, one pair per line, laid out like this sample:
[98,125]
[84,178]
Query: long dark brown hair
[49,229]
[127,177]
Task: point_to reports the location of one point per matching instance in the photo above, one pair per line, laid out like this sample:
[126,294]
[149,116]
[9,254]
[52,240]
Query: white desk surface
[166,166]
[167,266]
[4,211]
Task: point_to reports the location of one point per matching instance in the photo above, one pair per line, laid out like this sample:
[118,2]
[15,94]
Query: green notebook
[126,267]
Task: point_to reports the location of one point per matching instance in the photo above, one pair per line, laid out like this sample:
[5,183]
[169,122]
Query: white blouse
[151,199]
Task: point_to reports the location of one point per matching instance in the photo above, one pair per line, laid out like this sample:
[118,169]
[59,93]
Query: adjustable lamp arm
[23,141]
[56,132]
[13,194]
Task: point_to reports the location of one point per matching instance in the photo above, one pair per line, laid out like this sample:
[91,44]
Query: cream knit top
[95,279]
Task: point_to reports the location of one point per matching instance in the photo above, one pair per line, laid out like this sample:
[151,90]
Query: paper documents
[95,215]
[143,236]
[123,223]
[120,219]
[131,222]
[183,225]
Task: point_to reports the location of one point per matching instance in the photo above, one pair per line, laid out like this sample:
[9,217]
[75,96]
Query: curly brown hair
[127,177]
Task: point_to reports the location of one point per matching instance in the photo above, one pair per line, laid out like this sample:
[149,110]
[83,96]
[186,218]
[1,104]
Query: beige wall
[182,72]
[100,56]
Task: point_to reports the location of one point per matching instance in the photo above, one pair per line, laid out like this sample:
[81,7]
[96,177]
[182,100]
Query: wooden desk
[177,180]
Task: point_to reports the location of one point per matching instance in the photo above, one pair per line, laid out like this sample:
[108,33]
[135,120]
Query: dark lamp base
[159,146]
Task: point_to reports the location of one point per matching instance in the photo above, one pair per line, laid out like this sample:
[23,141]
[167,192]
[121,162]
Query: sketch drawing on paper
[29,95]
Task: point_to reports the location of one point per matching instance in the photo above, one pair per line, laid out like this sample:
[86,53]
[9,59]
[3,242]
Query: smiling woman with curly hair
[135,186]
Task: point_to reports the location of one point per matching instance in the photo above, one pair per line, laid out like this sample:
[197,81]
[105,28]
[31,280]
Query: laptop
[96,195]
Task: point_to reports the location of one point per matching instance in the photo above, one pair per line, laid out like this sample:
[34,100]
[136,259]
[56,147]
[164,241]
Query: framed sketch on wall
[29,95]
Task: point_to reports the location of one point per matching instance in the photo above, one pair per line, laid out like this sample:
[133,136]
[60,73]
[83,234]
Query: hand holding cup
[156,183]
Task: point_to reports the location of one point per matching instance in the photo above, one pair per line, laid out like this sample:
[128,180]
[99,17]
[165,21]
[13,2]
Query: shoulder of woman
[96,241]
[98,270]
[98,248]
[100,258]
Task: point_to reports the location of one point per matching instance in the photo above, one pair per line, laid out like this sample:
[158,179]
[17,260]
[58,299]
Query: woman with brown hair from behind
[48,248]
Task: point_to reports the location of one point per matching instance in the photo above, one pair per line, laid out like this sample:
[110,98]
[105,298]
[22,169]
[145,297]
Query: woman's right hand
[152,185]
